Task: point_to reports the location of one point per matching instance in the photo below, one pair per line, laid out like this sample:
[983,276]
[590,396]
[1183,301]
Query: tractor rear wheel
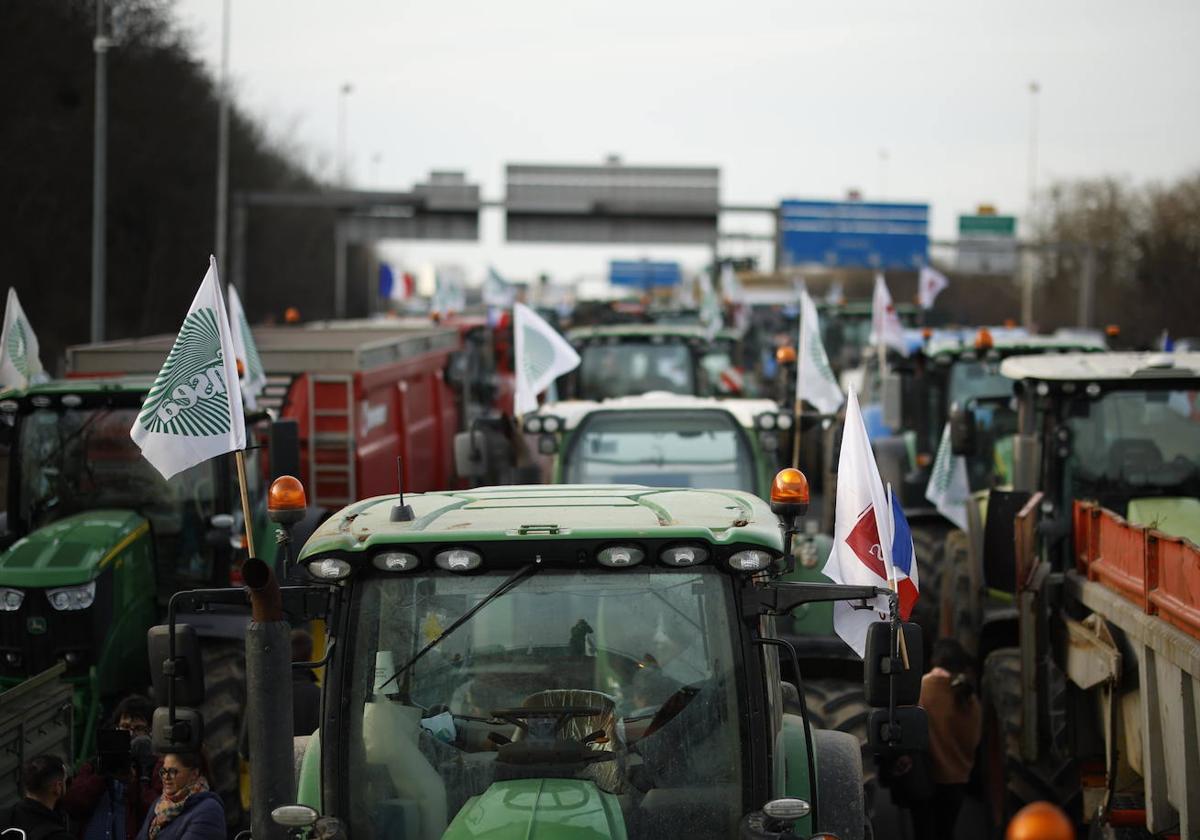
[224,703]
[1001,691]
[960,607]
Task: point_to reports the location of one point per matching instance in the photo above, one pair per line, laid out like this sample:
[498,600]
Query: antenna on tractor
[401,512]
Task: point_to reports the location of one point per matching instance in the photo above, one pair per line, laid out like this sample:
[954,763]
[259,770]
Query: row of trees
[161,178]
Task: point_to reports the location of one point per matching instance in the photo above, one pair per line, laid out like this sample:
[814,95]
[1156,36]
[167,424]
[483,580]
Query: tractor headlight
[396,561]
[552,425]
[72,597]
[683,555]
[784,421]
[750,560]
[766,422]
[11,599]
[331,568]
[533,425]
[619,556]
[458,560]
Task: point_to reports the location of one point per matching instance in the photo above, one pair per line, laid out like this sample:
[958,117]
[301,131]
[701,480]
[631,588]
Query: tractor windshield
[974,380]
[75,460]
[631,368]
[626,680]
[1129,447]
[662,449]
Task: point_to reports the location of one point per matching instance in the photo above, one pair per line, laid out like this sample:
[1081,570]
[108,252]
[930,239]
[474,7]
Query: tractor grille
[76,632]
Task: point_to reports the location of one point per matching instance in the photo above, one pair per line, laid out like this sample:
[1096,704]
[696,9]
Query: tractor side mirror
[186,668]
[904,729]
[186,735]
[891,399]
[962,431]
[880,670]
[471,455]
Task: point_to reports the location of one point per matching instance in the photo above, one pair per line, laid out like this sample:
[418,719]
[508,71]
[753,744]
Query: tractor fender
[840,805]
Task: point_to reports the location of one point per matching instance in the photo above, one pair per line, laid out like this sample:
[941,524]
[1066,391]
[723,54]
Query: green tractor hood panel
[539,809]
[72,550]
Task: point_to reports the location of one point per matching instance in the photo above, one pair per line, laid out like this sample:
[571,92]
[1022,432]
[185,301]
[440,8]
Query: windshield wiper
[508,585]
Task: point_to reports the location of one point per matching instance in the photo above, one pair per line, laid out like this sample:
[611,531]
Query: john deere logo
[190,397]
[35,625]
[18,346]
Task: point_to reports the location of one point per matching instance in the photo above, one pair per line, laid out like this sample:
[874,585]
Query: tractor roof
[1012,342]
[541,513]
[744,411]
[1103,366]
[859,308]
[638,331]
[84,387]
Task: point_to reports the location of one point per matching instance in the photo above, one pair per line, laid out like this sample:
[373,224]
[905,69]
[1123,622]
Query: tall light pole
[1031,176]
[99,173]
[222,223]
[343,94]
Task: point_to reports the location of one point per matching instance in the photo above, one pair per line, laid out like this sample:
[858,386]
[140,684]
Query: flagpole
[891,569]
[799,411]
[240,456]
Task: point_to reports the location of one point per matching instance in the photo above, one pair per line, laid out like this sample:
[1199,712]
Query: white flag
[497,291]
[863,534]
[948,489]
[541,355]
[929,286]
[835,294]
[254,377]
[886,328]
[815,381]
[711,317]
[19,362]
[193,412]
[731,289]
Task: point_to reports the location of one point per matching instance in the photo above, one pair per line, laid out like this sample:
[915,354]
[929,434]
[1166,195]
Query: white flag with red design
[872,543]
[931,284]
[886,328]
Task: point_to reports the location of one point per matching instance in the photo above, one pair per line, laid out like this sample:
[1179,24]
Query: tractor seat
[1137,457]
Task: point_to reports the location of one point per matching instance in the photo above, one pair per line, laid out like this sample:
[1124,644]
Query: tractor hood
[70,551]
[539,809]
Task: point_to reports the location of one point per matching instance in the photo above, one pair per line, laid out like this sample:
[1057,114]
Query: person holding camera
[39,814]
[110,796]
[187,809]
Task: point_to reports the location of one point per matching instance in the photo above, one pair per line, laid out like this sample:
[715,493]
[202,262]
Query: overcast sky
[789,98]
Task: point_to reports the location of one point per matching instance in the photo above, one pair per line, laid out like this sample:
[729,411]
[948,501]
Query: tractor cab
[663,440]
[571,661]
[630,359]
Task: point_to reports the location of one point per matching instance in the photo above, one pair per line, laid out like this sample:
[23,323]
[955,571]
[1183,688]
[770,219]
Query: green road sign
[1000,226]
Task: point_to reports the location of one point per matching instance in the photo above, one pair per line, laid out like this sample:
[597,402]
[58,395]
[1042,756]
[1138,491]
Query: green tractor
[96,542]
[569,661]
[629,359]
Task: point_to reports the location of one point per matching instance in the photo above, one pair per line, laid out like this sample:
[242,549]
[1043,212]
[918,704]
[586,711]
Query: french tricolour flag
[872,543]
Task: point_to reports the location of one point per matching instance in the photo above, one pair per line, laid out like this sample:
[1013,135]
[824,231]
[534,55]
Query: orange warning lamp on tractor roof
[1113,330]
[789,493]
[286,502]
[983,339]
[1040,821]
[786,355]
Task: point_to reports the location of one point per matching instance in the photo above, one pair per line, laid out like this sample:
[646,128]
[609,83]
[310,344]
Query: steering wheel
[544,721]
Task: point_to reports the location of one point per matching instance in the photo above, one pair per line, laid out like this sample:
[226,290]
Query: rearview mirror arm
[781,597]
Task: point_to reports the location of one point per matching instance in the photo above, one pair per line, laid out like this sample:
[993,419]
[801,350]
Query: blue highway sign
[854,234]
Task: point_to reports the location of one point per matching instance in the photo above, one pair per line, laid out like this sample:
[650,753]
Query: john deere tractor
[95,543]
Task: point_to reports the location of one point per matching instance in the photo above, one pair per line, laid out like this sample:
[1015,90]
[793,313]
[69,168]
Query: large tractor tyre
[841,808]
[998,752]
[928,546]
[960,610]
[841,706]
[224,704]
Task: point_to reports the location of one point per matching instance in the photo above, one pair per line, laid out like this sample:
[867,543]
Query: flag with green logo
[540,354]
[253,377]
[193,411]
[948,489]
[815,381]
[19,362]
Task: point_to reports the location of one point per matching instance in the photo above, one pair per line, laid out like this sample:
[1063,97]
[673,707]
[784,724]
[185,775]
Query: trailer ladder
[331,457]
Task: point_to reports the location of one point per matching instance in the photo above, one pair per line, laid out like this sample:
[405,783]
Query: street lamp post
[1030,256]
[343,93]
[99,174]
[222,224]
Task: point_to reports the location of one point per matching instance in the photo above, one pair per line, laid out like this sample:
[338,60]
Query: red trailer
[362,394]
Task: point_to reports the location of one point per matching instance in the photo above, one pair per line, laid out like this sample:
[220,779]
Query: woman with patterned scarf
[187,809]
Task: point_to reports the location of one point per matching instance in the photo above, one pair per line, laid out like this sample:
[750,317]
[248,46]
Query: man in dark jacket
[43,782]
